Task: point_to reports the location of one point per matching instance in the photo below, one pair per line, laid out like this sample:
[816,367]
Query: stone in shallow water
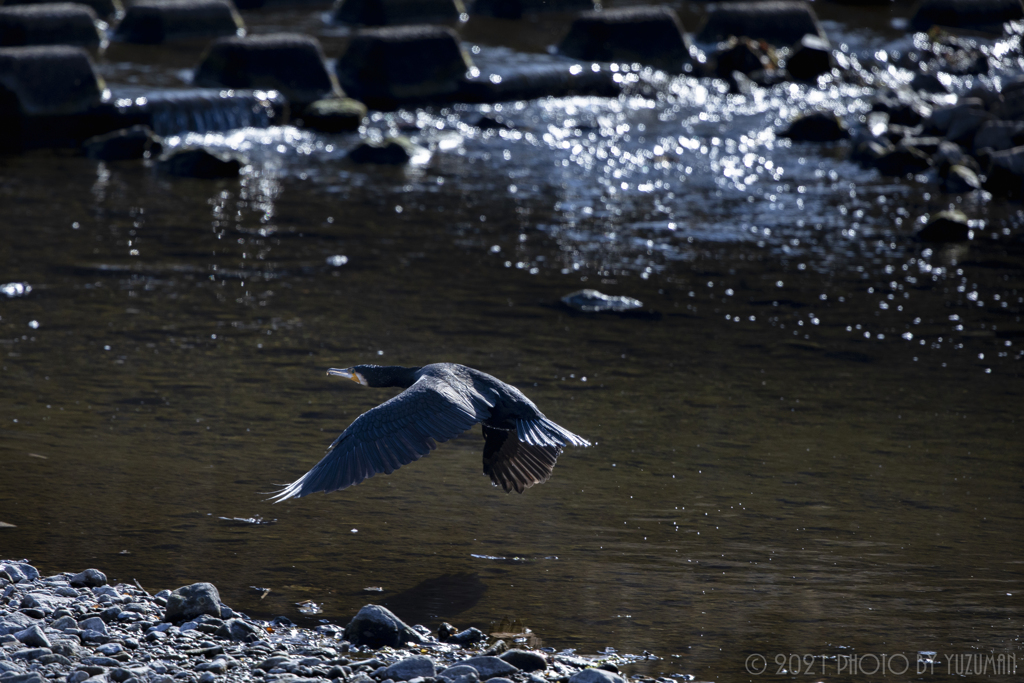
[648,35]
[985,15]
[376,626]
[387,66]
[593,301]
[817,126]
[136,142]
[778,23]
[334,115]
[946,226]
[395,12]
[196,162]
[158,21]
[291,63]
[810,58]
[391,151]
[58,23]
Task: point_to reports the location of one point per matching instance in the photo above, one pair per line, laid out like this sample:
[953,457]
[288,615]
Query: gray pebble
[89,577]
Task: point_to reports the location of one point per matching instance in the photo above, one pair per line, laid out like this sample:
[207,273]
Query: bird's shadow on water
[440,597]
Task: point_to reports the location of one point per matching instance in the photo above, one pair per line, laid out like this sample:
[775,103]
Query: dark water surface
[812,446]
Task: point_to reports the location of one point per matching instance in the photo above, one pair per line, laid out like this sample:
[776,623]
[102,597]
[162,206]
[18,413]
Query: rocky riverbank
[77,628]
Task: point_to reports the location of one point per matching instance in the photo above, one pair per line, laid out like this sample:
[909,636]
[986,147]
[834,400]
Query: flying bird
[440,401]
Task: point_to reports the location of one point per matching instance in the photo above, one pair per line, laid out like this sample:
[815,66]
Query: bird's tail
[544,432]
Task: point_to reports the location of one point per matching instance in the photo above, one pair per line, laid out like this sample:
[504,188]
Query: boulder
[334,115]
[817,126]
[981,15]
[290,63]
[810,58]
[14,622]
[189,602]
[197,162]
[103,8]
[942,118]
[91,578]
[946,226]
[59,23]
[649,35]
[388,66]
[17,571]
[137,142]
[515,9]
[778,22]
[459,674]
[900,112]
[467,637]
[525,660]
[376,626]
[153,22]
[396,12]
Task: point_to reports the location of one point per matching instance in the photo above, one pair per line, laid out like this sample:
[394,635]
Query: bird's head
[377,375]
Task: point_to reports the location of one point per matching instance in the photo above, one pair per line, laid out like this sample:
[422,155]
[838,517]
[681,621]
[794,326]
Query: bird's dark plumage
[440,402]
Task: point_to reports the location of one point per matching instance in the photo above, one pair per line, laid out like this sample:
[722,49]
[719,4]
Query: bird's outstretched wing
[512,464]
[395,433]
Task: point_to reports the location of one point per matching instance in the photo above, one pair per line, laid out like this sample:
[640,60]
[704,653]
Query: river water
[807,444]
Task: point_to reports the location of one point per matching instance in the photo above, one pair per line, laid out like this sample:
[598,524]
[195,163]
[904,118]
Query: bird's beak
[349,373]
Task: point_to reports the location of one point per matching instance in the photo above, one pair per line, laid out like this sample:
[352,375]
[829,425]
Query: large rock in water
[983,15]
[810,58]
[1005,177]
[158,21]
[376,626]
[103,8]
[334,115]
[817,126]
[62,23]
[388,66]
[778,23]
[396,12]
[48,96]
[515,9]
[291,63]
[189,602]
[648,35]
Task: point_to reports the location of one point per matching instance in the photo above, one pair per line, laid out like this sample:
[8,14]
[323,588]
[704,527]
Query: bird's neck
[390,376]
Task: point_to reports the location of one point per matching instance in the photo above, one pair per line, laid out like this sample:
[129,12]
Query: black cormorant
[440,402]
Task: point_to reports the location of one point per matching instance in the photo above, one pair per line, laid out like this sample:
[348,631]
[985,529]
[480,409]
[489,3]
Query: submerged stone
[59,23]
[291,63]
[779,22]
[396,12]
[649,35]
[159,21]
[387,66]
